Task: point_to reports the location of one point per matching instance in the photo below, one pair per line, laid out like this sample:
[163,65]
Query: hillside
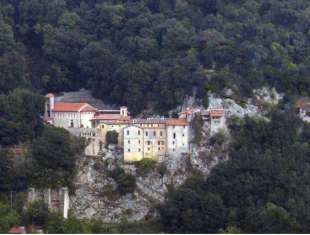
[159,57]
[120,49]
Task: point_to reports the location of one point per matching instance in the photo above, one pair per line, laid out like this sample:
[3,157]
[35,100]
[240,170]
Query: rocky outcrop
[96,196]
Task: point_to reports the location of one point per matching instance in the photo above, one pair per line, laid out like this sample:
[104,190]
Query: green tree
[112,137]
[36,213]
[8,218]
[55,154]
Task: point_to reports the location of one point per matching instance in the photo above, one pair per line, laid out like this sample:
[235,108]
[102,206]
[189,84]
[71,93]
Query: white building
[140,138]
[177,136]
[303,108]
[155,138]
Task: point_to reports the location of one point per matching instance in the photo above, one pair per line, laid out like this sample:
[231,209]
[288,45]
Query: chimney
[49,104]
[124,111]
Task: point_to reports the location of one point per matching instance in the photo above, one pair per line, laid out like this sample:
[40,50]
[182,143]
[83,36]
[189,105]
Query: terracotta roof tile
[17,230]
[301,102]
[73,107]
[111,117]
[176,122]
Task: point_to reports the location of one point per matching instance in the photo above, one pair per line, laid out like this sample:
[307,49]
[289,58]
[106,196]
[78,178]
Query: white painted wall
[217,124]
[177,139]
[63,119]
[86,118]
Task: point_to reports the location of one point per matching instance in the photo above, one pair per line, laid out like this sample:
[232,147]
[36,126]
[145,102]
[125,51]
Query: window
[183,135]
[71,124]
[158,149]
[158,142]
[173,135]
[173,150]
[128,150]
[128,132]
[139,132]
[139,150]
[161,133]
[154,133]
[148,149]
[148,142]
[146,133]
[173,142]
[128,141]
[139,141]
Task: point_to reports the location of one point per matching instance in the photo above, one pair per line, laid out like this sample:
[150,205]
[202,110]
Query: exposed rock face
[96,196]
[267,95]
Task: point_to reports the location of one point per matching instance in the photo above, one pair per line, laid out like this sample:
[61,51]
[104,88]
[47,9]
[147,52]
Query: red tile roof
[73,107]
[17,230]
[176,122]
[216,112]
[111,117]
[301,102]
[305,107]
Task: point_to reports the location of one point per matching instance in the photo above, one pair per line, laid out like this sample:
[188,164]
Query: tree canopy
[263,188]
[140,53]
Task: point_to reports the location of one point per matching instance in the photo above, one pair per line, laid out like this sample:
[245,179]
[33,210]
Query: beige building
[140,138]
[155,138]
[111,120]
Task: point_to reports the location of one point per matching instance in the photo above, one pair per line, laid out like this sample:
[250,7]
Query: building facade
[155,138]
[140,138]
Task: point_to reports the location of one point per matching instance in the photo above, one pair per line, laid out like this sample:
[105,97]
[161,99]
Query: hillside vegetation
[154,51]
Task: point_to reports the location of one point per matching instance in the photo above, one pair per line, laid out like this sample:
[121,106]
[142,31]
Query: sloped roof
[176,122]
[301,103]
[73,107]
[110,117]
[17,230]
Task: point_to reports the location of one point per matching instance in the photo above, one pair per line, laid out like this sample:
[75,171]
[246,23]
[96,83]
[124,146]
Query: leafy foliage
[120,49]
[112,137]
[196,126]
[145,166]
[7,218]
[54,157]
[261,189]
[125,183]
[36,213]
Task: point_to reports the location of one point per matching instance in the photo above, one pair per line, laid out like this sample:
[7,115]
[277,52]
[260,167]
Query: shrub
[125,183]
[196,125]
[162,169]
[145,166]
[112,137]
[36,213]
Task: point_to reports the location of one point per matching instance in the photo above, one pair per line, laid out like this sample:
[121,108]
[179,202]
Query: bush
[36,213]
[197,124]
[145,166]
[162,169]
[125,183]
[219,138]
[112,137]
[8,218]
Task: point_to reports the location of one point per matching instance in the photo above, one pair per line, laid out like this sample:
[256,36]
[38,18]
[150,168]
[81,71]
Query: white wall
[86,119]
[217,124]
[63,119]
[177,139]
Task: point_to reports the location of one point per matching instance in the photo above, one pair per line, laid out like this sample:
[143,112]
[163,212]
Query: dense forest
[153,52]
[263,188]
